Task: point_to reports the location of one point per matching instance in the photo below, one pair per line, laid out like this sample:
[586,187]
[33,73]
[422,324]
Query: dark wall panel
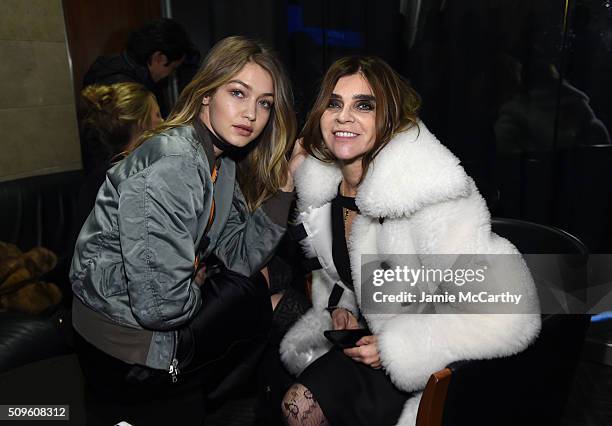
[101,27]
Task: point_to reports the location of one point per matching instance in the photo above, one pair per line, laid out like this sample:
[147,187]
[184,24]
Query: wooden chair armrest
[431,407]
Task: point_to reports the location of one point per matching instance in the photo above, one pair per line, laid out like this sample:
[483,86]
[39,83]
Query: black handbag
[224,342]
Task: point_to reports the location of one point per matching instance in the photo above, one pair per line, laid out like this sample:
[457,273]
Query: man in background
[153,53]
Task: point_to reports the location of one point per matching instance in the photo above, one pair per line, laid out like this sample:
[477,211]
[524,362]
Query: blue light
[337,38]
[604,316]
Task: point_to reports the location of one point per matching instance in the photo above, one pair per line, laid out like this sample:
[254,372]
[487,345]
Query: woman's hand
[343,319]
[365,352]
[200,275]
[298,155]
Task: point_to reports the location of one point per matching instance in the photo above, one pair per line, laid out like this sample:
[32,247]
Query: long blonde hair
[264,168]
[114,112]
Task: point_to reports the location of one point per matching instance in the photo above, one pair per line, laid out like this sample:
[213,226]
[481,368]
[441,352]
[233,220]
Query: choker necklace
[227,148]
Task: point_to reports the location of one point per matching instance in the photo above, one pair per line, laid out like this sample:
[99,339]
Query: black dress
[349,392]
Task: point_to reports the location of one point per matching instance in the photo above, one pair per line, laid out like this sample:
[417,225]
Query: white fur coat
[429,206]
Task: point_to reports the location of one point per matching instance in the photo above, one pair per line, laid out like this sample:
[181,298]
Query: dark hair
[397,105]
[164,35]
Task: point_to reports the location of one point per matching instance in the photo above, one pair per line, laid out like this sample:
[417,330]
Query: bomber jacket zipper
[173,370]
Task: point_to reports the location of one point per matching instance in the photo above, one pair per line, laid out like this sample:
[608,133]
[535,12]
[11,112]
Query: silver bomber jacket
[134,257]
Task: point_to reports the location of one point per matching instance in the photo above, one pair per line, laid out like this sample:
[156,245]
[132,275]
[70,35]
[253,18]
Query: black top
[339,248]
[358,394]
[205,136]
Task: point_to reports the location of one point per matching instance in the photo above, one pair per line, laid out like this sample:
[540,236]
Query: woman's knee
[300,408]
[289,403]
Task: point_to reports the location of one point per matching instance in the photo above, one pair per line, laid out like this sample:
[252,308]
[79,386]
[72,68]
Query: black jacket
[123,68]
[118,69]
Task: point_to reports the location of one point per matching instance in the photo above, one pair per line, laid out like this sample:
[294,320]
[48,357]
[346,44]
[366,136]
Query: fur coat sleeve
[413,346]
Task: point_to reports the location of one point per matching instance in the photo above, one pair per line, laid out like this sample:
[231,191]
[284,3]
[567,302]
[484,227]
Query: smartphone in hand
[346,338]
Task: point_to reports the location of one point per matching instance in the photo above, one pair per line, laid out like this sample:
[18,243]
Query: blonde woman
[164,310]
[113,116]
[113,119]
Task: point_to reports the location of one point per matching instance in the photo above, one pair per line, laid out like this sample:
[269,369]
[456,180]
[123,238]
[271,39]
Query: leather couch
[39,211]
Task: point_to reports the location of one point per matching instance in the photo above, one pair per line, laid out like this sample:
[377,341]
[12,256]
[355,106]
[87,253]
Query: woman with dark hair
[164,310]
[377,182]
